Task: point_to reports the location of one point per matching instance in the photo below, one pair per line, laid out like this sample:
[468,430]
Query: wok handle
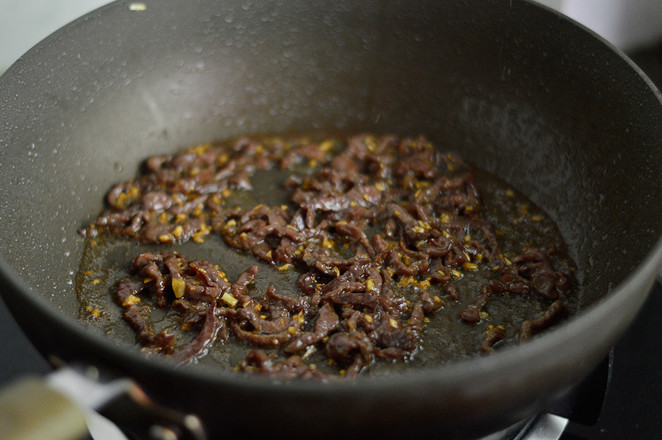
[58,407]
[31,410]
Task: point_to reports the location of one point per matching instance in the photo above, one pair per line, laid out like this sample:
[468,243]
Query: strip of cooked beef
[326,323]
[352,349]
[551,315]
[202,343]
[491,336]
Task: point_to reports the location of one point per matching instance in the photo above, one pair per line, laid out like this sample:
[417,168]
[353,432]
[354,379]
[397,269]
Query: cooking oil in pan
[445,338]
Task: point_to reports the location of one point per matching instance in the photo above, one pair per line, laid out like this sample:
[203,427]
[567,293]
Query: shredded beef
[379,228]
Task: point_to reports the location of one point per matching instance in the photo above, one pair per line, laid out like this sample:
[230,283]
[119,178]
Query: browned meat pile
[378,227]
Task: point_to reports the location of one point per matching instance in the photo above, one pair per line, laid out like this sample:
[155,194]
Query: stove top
[631,407]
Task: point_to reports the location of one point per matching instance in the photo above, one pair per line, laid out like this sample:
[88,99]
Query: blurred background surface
[628,24]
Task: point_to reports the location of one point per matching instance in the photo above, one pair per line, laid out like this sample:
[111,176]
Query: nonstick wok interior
[514,89]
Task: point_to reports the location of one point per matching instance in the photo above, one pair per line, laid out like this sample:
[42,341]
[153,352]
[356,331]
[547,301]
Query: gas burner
[541,427]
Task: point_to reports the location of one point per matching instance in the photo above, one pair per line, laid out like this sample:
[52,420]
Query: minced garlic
[229,299]
[130,300]
[178,287]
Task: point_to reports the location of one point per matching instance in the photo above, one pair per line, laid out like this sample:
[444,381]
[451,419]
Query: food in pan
[380,237]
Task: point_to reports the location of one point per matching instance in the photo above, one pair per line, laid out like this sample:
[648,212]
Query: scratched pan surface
[515,89]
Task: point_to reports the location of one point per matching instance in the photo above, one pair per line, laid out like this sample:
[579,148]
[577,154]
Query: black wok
[513,88]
